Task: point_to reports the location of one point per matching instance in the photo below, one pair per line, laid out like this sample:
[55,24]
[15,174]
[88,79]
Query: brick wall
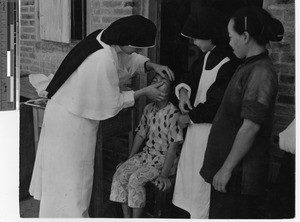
[104,12]
[283,56]
[39,56]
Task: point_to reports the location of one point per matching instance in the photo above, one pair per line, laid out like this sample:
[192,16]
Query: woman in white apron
[84,91]
[203,88]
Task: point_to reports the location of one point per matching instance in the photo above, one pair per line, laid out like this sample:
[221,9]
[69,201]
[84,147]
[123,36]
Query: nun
[200,95]
[85,90]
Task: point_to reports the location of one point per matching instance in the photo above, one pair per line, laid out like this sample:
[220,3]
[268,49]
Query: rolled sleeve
[128,98]
[259,95]
[254,111]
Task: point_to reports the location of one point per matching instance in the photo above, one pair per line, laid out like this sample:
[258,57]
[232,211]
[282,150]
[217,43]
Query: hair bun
[276,30]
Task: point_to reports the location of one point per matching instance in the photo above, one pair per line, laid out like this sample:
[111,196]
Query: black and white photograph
[167,109]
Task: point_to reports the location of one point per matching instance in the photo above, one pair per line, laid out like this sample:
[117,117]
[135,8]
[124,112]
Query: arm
[162,180]
[242,143]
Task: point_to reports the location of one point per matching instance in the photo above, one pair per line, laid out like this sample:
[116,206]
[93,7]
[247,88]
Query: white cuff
[182,85]
[128,98]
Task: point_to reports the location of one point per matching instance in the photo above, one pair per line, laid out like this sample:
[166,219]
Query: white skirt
[63,171]
[191,192]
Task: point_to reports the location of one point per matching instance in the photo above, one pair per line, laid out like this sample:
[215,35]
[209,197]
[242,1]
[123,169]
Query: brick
[283,120]
[285,1]
[286,99]
[109,20]
[27,2]
[281,109]
[26,49]
[27,16]
[281,47]
[284,68]
[24,9]
[25,61]
[289,15]
[287,57]
[123,11]
[27,29]
[96,19]
[34,69]
[25,36]
[289,26]
[286,90]
[95,4]
[28,43]
[103,11]
[274,56]
[32,55]
[111,4]
[287,79]
[24,22]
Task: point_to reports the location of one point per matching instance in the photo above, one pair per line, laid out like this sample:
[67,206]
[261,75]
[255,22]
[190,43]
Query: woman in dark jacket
[199,98]
[236,158]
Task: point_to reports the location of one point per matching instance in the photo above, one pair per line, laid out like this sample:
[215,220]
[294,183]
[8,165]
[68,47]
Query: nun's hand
[155,94]
[162,70]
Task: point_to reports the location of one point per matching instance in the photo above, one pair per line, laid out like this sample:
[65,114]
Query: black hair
[259,23]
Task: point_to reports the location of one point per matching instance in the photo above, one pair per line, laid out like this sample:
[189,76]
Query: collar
[256,57]
[156,108]
[112,50]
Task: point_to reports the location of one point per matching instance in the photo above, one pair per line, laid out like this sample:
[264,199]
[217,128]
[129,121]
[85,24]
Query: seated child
[159,128]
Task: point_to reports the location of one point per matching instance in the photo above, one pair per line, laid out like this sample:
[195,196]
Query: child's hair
[259,23]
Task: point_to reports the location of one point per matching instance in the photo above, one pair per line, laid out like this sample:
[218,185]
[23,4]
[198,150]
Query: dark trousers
[283,194]
[236,206]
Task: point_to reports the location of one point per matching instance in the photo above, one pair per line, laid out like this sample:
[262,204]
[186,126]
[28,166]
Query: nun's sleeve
[92,91]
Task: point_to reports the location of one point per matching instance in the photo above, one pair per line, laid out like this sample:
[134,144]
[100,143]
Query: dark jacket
[205,112]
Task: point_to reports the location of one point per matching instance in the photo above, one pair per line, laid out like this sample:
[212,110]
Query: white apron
[191,192]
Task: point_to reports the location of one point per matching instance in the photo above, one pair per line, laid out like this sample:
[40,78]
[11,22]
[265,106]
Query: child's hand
[162,183]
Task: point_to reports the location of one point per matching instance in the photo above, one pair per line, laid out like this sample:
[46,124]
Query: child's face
[165,87]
